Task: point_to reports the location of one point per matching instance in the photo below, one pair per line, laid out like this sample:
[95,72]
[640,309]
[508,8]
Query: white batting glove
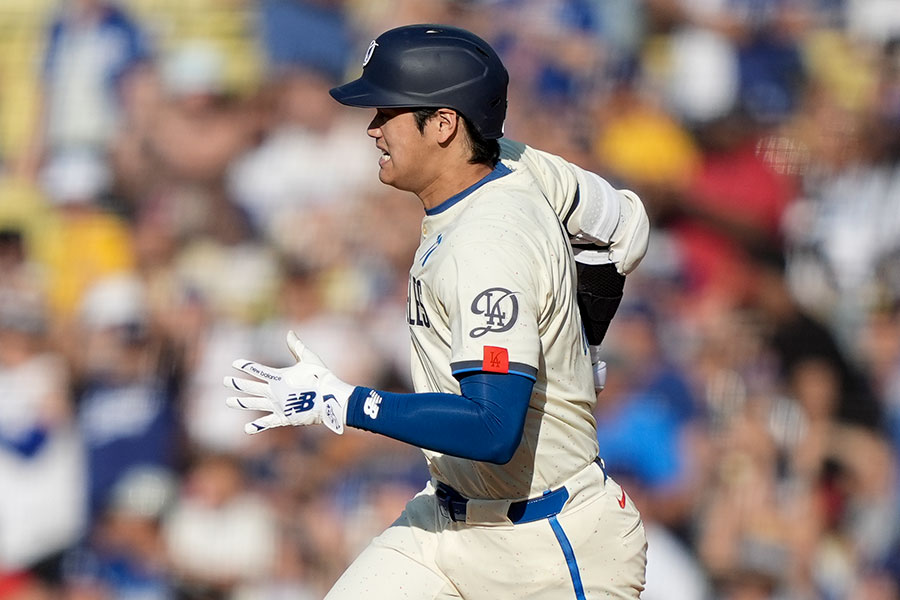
[304,394]
[599,369]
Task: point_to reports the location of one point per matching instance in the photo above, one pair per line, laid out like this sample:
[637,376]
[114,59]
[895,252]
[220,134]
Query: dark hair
[483,151]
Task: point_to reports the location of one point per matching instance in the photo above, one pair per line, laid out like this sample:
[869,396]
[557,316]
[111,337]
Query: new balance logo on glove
[298,403]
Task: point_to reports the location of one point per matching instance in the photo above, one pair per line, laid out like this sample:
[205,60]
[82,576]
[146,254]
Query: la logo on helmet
[369,52]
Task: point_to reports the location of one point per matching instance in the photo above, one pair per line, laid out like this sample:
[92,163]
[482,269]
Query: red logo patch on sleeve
[496,360]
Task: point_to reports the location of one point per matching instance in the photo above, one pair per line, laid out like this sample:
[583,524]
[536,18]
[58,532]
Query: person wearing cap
[519,505]
[85,241]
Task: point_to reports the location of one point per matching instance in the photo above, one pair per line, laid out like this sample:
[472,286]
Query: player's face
[403,149]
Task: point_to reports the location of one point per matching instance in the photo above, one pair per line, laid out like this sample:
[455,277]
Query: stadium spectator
[91,47]
[126,392]
[43,507]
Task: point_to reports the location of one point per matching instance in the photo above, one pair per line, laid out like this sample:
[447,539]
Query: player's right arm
[484,422]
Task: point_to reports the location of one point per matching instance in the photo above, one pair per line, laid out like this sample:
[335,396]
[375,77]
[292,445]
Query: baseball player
[519,505]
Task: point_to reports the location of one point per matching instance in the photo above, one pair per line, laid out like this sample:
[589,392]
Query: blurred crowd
[182,197]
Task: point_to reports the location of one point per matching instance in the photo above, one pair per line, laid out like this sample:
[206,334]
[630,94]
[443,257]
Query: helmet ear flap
[432,66]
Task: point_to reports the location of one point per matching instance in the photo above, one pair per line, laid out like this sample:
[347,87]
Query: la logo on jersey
[496,360]
[499,307]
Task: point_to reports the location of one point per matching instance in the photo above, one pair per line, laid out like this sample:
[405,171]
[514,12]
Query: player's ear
[448,122]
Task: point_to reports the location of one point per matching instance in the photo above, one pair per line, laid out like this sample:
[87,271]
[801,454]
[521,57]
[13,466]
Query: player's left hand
[306,393]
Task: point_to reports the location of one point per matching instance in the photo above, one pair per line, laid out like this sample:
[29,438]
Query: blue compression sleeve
[485,423]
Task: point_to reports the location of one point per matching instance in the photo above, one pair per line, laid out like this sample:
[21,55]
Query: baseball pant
[594,547]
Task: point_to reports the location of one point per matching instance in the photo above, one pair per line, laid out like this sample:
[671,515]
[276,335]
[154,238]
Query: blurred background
[177,190]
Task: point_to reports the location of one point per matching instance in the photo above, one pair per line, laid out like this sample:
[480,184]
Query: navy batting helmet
[432,66]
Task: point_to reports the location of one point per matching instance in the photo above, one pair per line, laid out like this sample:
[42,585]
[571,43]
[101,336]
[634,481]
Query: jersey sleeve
[588,206]
[490,294]
[553,174]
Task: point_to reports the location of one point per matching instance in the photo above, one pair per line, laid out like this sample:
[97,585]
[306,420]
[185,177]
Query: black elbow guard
[600,289]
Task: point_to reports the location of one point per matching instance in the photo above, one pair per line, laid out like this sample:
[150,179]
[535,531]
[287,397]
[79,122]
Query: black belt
[453,504]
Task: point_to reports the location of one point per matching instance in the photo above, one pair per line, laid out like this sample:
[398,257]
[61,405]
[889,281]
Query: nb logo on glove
[298,403]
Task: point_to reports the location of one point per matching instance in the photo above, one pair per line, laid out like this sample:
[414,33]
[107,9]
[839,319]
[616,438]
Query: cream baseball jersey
[588,205]
[492,288]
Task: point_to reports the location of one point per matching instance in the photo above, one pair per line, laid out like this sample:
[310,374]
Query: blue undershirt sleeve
[484,423]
